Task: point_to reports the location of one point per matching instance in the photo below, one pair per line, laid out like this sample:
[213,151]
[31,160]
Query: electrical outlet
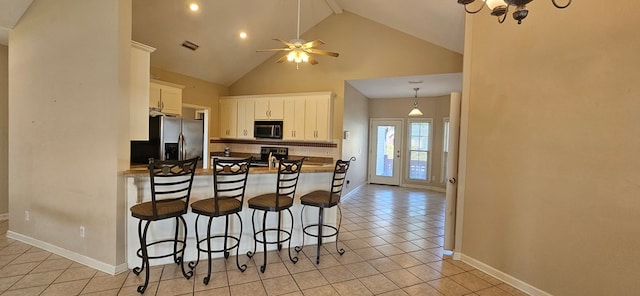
[26,215]
[81,231]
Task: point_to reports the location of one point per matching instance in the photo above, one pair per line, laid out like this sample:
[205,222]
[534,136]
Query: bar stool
[229,183]
[282,199]
[171,182]
[325,199]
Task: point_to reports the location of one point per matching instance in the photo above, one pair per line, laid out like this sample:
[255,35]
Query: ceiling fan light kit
[299,50]
[500,8]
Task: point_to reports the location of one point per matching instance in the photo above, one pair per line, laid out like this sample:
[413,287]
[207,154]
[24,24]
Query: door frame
[399,143]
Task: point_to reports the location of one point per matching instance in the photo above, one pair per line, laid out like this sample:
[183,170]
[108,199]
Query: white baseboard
[508,279]
[352,192]
[93,263]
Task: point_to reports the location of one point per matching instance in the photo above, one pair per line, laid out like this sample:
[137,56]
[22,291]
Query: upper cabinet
[293,123]
[245,119]
[228,118]
[305,116]
[269,109]
[139,100]
[236,118]
[165,97]
[318,117]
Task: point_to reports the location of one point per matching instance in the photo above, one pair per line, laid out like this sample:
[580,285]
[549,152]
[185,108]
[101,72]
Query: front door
[385,151]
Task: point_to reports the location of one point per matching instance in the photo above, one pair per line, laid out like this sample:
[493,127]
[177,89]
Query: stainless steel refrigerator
[170,138]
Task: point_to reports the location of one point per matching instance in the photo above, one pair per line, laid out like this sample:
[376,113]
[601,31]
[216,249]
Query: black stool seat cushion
[320,198]
[166,209]
[225,206]
[267,202]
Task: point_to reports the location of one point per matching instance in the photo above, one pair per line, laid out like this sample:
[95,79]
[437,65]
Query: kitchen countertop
[140,170]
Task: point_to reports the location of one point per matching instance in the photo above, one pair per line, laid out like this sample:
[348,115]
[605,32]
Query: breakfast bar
[260,180]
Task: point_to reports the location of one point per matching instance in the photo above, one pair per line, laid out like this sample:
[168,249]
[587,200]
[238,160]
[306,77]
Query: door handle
[452,180]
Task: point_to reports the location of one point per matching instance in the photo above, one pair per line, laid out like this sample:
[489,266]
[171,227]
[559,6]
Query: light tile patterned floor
[392,237]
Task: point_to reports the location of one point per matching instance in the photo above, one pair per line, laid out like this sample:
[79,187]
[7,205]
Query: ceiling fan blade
[288,44]
[312,61]
[282,59]
[273,49]
[313,43]
[322,52]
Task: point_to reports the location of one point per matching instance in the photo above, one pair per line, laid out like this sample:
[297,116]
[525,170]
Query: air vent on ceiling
[190,45]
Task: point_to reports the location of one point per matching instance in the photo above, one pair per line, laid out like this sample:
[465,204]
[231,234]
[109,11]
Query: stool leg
[142,235]
[278,233]
[293,259]
[320,225]
[226,234]
[255,243]
[186,274]
[206,279]
[264,242]
[341,250]
[299,248]
[242,267]
[193,264]
[175,242]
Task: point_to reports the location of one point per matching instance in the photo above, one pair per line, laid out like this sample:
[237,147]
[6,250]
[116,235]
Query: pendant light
[415,111]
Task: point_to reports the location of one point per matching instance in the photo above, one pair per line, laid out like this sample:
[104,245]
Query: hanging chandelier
[500,8]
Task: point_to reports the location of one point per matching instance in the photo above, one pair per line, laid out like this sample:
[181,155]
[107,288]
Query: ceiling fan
[300,50]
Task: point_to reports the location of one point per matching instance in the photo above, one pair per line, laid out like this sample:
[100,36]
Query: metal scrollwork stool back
[171,182]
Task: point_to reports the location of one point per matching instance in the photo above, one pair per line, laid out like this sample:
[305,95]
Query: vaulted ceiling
[223,57]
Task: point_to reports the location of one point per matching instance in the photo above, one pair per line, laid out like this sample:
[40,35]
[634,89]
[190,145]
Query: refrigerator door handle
[181,146]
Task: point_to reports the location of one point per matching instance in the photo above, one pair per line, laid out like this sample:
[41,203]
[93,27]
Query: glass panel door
[385,160]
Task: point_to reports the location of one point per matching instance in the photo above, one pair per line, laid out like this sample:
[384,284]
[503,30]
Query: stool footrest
[334,230]
[234,243]
[179,250]
[258,236]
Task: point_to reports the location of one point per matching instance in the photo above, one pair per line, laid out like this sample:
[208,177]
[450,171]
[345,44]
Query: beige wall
[4,130]
[196,92]
[553,168]
[357,124]
[434,108]
[367,50]
[68,130]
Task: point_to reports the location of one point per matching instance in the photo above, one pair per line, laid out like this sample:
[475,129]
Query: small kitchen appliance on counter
[269,151]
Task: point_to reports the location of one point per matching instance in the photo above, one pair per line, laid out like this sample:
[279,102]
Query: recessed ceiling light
[194,7]
[243,35]
[415,82]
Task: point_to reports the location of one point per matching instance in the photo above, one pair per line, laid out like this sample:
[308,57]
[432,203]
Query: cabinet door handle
[161,105]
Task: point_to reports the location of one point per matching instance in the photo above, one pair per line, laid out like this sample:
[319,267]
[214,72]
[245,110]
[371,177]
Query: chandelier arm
[560,6]
[471,11]
[504,16]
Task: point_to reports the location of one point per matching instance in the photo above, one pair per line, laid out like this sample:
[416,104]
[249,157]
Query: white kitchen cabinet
[165,97]
[318,117]
[293,120]
[139,100]
[228,118]
[269,109]
[245,119]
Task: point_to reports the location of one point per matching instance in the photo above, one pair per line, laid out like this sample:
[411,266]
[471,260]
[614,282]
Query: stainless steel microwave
[267,129]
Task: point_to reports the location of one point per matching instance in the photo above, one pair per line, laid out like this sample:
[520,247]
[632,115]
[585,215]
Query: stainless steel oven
[267,129]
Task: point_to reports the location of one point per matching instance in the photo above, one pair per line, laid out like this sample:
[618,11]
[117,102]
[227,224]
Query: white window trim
[408,150]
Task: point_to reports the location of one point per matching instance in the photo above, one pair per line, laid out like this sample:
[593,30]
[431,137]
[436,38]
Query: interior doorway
[385,155]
